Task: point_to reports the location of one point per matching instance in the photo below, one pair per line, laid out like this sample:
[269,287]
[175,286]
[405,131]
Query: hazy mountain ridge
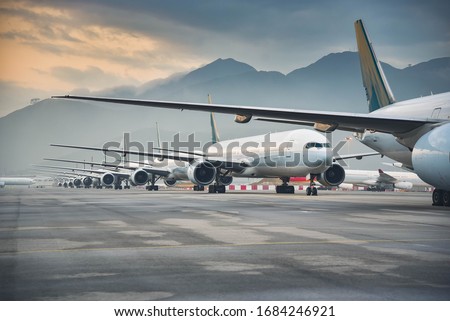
[331,83]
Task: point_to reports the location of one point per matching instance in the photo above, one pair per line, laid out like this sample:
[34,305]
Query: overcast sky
[52,47]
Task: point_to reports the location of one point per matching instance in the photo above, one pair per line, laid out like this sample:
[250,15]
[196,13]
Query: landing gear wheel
[308,191]
[438,197]
[314,191]
[446,198]
[220,189]
[285,189]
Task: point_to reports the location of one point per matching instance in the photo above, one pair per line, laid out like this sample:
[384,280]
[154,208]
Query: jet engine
[403,185]
[87,181]
[430,157]
[333,176]
[226,180]
[77,182]
[201,173]
[139,177]
[108,179]
[170,181]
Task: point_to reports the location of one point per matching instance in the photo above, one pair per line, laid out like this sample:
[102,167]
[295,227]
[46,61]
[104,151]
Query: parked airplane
[417,129]
[15,181]
[380,180]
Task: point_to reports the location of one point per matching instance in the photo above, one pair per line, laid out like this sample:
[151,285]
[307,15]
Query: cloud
[61,45]
[89,77]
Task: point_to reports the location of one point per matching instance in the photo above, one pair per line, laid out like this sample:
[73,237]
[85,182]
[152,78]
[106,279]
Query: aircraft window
[317,145]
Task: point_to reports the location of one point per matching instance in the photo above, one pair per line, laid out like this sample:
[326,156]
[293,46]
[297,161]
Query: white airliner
[4,181]
[380,180]
[415,132]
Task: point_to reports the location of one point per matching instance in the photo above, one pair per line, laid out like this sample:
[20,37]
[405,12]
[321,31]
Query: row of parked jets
[148,173]
[415,133]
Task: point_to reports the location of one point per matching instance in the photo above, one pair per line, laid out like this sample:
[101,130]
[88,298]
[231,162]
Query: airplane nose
[318,158]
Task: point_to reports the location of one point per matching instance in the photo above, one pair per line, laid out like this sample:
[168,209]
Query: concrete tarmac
[66,244]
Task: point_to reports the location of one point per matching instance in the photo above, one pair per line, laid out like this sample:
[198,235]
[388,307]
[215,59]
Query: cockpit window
[317,145]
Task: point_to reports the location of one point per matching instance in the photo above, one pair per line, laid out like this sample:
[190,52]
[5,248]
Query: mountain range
[331,83]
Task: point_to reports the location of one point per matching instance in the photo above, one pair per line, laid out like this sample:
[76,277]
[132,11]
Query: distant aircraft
[415,132]
[4,181]
[380,180]
[108,178]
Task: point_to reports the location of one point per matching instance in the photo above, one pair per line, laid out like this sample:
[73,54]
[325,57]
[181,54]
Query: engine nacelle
[170,181]
[430,157]
[77,182]
[226,180]
[96,182]
[87,181]
[201,173]
[403,185]
[333,176]
[139,177]
[109,179]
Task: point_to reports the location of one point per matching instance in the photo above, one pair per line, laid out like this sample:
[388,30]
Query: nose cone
[318,159]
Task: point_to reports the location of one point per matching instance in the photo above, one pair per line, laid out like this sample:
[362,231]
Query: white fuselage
[15,181]
[372,178]
[282,154]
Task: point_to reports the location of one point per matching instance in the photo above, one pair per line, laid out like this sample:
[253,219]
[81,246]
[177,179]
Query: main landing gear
[220,183]
[441,197]
[216,189]
[151,184]
[285,188]
[199,188]
[311,189]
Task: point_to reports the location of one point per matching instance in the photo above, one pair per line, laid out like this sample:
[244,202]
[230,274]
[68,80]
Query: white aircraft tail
[378,92]
[214,132]
[158,138]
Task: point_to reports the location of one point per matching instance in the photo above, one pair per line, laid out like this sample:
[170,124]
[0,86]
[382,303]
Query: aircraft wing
[306,123]
[155,171]
[323,120]
[190,158]
[386,178]
[81,170]
[147,168]
[357,156]
[121,151]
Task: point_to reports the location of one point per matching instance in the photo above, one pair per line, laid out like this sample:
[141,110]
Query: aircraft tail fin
[214,132]
[378,92]
[158,138]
